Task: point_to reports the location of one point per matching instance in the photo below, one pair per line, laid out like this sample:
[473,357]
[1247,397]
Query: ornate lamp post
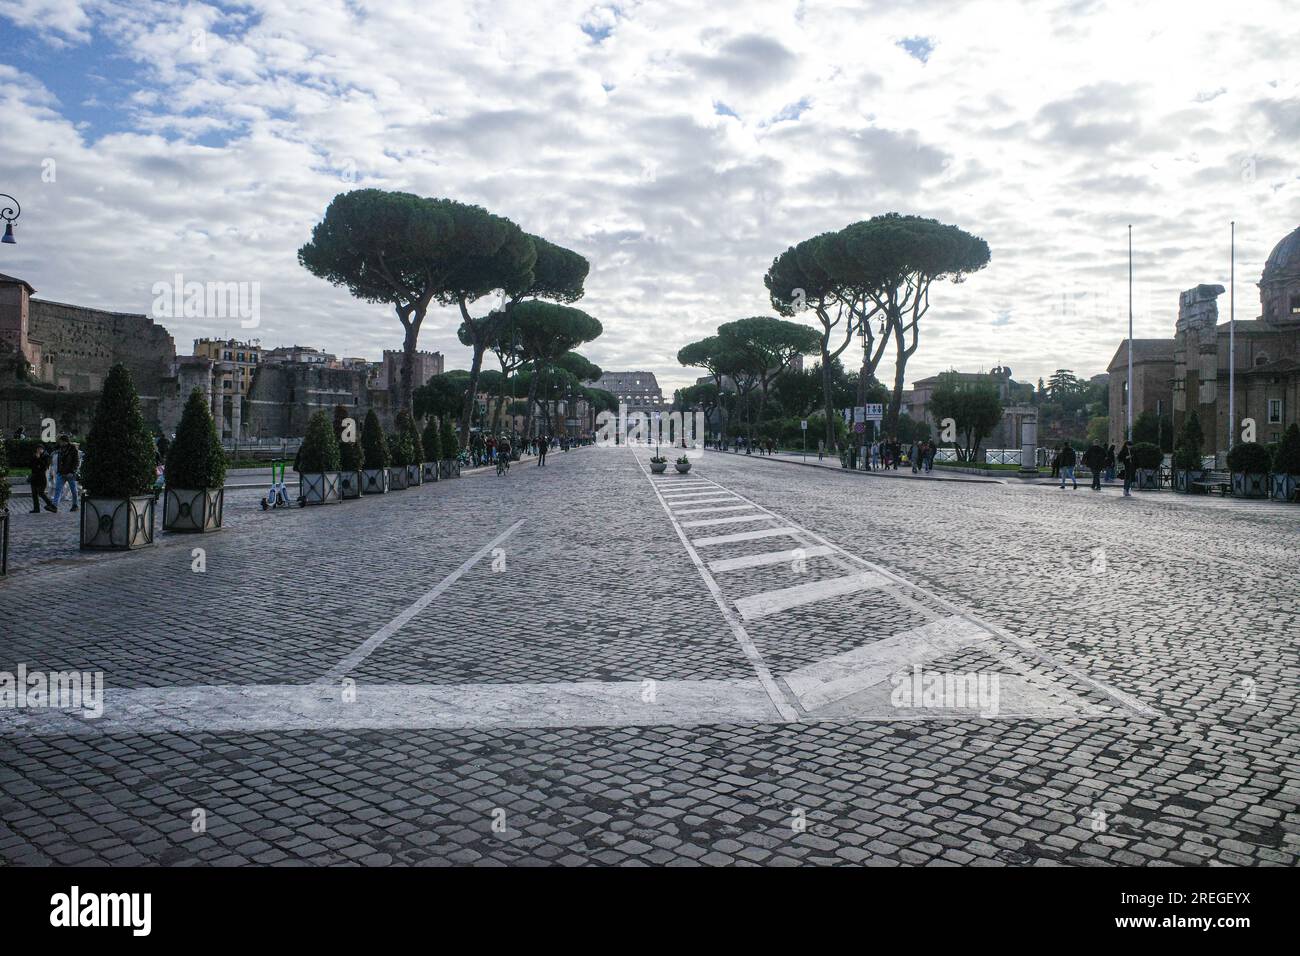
[10,215]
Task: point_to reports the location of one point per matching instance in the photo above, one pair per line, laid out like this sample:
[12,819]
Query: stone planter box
[1184,479]
[413,475]
[318,488]
[514,454]
[397,476]
[349,484]
[374,481]
[1148,479]
[1249,484]
[429,471]
[450,467]
[188,509]
[1284,486]
[682,469]
[658,467]
[4,540]
[117,524]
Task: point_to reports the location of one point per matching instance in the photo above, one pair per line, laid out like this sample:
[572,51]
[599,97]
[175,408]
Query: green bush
[1146,455]
[1248,457]
[349,451]
[406,427]
[320,449]
[1287,459]
[119,450]
[374,447]
[4,477]
[1187,452]
[431,440]
[195,459]
[449,444]
[399,448]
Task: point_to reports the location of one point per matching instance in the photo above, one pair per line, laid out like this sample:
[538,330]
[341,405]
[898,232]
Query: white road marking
[255,708]
[768,557]
[372,643]
[734,519]
[744,536]
[714,509]
[701,501]
[782,599]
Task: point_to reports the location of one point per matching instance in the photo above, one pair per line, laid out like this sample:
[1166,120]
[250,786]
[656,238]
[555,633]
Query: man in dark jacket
[1095,459]
[40,465]
[66,472]
[1067,465]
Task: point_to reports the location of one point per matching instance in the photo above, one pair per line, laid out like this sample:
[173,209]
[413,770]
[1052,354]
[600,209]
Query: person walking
[39,480]
[913,454]
[1068,459]
[542,444]
[1056,464]
[1095,459]
[1110,462]
[1125,459]
[65,472]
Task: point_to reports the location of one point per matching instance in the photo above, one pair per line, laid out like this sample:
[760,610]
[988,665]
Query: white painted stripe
[256,708]
[768,557]
[372,643]
[734,519]
[697,500]
[744,536]
[770,602]
[714,509]
[835,677]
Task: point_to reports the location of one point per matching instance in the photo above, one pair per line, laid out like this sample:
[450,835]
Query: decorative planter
[1148,479]
[374,481]
[188,509]
[1249,484]
[1184,479]
[397,476]
[514,454]
[450,467]
[349,484]
[429,471]
[682,469]
[413,475]
[4,540]
[658,467]
[117,524]
[318,488]
[1284,486]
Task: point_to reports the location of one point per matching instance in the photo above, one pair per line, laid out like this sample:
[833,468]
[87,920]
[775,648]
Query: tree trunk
[406,380]
[826,397]
[475,367]
[532,402]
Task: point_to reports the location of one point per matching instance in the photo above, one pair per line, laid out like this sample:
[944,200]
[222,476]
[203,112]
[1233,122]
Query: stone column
[1029,443]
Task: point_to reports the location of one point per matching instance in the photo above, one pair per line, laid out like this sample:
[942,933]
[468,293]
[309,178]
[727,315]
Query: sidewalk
[833,462]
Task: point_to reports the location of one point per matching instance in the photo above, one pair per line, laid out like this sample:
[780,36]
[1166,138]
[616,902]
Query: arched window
[1261,360]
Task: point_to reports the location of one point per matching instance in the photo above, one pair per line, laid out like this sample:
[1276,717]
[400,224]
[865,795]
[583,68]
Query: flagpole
[1232,338]
[1128,429]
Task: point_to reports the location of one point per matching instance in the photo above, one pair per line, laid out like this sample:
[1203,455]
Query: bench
[1220,480]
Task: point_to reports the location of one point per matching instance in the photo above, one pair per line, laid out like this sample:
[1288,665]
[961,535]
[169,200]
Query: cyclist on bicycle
[503,455]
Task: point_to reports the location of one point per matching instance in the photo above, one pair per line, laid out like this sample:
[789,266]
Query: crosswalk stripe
[702,499]
[768,557]
[743,536]
[734,519]
[770,602]
[699,511]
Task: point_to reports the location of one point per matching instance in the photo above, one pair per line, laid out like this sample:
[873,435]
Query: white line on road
[713,510]
[768,557]
[372,643]
[734,519]
[744,536]
[782,599]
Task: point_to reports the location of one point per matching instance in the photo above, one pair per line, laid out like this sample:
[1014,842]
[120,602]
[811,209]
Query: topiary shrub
[449,443]
[1287,459]
[349,451]
[1187,451]
[4,477]
[320,449]
[411,434]
[399,449]
[1249,458]
[119,450]
[1146,455]
[195,459]
[431,440]
[374,446]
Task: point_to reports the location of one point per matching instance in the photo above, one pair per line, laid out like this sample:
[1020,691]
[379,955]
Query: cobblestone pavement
[584,664]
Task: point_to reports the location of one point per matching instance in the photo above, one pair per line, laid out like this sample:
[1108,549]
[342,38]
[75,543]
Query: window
[1295,305]
[1274,411]
[226,356]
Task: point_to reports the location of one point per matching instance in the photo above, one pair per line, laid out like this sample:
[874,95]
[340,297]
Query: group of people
[64,463]
[1101,462]
[741,443]
[888,454]
[487,450]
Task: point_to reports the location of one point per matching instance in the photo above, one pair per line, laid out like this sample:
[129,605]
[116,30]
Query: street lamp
[10,215]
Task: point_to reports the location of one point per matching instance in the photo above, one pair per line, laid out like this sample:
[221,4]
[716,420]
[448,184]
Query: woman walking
[39,481]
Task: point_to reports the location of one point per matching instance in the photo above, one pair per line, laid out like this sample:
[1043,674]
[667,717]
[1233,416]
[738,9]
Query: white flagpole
[1232,339]
[1128,429]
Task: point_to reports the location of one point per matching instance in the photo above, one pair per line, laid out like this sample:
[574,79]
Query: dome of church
[1285,257]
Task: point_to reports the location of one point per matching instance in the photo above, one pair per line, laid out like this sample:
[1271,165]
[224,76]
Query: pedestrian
[1095,459]
[542,443]
[1110,462]
[1056,464]
[65,472]
[40,481]
[1068,459]
[1125,459]
[20,433]
[913,454]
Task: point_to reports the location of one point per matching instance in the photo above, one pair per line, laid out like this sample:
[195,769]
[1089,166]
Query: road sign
[859,427]
[874,413]
[804,424]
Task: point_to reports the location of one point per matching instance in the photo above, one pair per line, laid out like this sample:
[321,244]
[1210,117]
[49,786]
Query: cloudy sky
[679,146]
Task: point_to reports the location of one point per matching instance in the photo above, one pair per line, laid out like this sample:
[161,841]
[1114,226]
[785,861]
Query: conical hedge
[320,449]
[449,443]
[119,451]
[431,440]
[349,451]
[1287,459]
[374,446]
[406,427]
[195,459]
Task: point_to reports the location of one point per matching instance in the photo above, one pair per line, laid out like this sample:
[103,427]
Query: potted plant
[318,463]
[658,464]
[1249,463]
[449,464]
[431,441]
[349,440]
[399,449]
[193,499]
[374,457]
[4,508]
[683,464]
[1188,464]
[1146,466]
[414,446]
[117,503]
[1286,464]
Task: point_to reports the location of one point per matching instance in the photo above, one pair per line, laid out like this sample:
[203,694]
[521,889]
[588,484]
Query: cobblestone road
[585,664]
